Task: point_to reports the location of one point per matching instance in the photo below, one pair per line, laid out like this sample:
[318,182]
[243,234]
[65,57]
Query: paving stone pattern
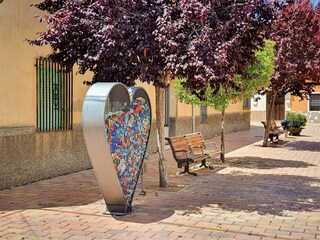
[262,193]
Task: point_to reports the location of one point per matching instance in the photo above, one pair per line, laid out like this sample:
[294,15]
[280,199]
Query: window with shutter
[314,102]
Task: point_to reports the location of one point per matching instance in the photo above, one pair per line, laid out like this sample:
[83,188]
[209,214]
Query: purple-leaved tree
[297,66]
[210,42]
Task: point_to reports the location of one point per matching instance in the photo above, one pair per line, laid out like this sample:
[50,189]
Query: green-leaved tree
[254,78]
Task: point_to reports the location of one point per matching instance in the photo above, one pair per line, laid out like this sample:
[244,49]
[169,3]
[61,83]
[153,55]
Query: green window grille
[54,96]
[203,114]
[246,104]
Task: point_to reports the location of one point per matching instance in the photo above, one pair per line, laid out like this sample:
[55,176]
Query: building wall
[234,121]
[259,104]
[297,105]
[292,104]
[17,68]
[237,119]
[303,107]
[258,116]
[258,108]
[25,154]
[28,156]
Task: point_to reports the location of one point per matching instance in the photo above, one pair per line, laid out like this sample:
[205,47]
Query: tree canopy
[113,39]
[254,78]
[297,34]
[208,42]
[296,31]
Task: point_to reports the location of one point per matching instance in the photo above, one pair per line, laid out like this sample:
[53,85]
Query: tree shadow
[70,193]
[301,145]
[264,163]
[264,194]
[235,191]
[253,135]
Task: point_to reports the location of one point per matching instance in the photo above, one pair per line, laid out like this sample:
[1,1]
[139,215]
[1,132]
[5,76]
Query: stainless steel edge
[93,124]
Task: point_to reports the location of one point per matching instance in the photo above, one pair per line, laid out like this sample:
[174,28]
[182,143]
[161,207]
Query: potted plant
[296,122]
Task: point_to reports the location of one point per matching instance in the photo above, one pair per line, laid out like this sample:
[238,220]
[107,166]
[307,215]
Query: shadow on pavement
[265,163]
[235,191]
[304,146]
[265,194]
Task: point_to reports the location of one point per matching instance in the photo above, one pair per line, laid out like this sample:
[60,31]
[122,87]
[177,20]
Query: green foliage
[258,74]
[254,78]
[296,120]
[219,102]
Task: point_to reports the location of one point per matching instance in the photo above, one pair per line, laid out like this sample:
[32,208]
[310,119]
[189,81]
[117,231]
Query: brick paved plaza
[263,193]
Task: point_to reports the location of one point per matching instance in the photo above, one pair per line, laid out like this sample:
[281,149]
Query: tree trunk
[222,137]
[193,119]
[160,93]
[269,116]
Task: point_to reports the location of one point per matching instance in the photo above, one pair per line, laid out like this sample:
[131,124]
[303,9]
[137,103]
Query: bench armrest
[212,143]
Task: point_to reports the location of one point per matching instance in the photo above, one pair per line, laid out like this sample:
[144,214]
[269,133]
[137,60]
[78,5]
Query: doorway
[279,107]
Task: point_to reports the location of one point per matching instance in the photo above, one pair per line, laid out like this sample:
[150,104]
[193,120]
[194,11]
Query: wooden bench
[183,155]
[274,130]
[191,148]
[199,146]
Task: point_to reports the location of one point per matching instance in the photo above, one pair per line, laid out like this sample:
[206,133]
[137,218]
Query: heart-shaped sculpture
[116,127]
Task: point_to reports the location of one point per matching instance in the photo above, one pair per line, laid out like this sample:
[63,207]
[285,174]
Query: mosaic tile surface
[127,134]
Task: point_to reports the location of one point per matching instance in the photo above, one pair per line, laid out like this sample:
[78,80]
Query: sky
[315,2]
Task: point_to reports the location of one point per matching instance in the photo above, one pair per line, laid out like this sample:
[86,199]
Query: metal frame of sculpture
[116,127]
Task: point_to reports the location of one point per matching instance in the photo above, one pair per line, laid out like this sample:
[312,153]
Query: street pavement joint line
[229,231]
[11,213]
[187,187]
[77,213]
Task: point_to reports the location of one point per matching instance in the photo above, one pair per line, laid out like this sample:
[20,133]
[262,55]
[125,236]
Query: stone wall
[313,117]
[258,116]
[27,155]
[212,127]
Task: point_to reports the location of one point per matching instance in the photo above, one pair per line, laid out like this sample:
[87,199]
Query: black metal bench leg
[277,138]
[203,164]
[271,137]
[187,170]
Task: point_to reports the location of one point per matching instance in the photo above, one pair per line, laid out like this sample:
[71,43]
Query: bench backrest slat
[273,125]
[178,143]
[196,139]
